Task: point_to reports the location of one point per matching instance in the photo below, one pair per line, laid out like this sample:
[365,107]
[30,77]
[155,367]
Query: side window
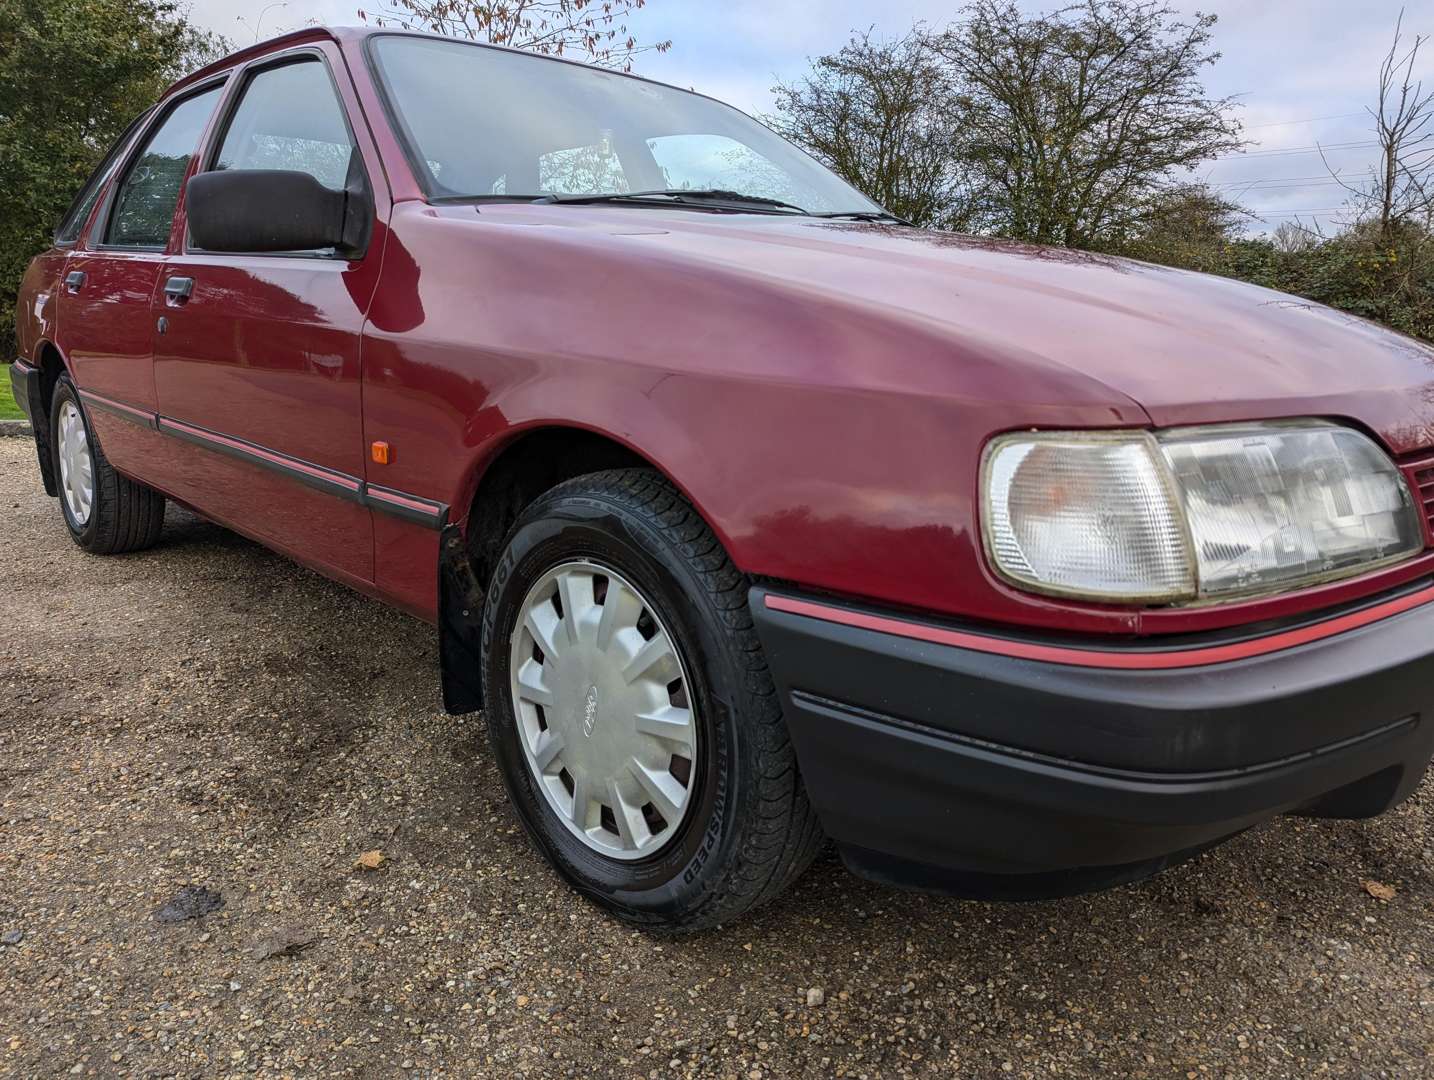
[144,205]
[75,217]
[289,118]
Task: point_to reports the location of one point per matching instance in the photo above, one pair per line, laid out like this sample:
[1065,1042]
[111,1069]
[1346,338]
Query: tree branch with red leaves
[593,31]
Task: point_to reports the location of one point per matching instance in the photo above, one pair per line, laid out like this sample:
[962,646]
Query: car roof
[273,44]
[342,34]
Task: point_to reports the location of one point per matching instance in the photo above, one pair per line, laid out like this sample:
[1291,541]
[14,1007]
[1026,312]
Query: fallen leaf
[1379,890]
[284,942]
[370,860]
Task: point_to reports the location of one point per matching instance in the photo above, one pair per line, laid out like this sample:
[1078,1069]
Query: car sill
[413,508]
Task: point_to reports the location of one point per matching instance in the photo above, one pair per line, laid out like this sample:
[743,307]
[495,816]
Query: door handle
[74,281]
[177,290]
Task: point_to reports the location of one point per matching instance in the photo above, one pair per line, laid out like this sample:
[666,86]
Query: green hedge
[1390,280]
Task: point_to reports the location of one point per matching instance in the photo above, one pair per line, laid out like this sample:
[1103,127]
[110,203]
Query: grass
[8,409]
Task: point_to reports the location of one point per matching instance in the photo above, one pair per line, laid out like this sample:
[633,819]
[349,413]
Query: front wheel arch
[527,466]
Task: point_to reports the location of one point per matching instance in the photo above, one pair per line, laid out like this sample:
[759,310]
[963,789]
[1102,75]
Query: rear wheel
[631,711]
[105,512]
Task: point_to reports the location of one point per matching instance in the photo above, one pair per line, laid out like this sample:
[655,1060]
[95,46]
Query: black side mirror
[276,210]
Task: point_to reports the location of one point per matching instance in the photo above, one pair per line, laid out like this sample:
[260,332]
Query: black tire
[125,515]
[750,831]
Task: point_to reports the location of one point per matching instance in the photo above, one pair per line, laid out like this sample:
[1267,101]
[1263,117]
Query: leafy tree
[591,30]
[877,114]
[73,74]
[1059,128]
[1076,118]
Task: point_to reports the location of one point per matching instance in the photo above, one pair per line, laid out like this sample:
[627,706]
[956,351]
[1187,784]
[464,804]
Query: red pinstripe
[1099,658]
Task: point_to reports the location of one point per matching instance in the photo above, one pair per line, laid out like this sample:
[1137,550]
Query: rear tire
[743,828]
[106,513]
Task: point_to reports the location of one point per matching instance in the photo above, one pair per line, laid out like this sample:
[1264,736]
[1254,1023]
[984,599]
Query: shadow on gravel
[314,694]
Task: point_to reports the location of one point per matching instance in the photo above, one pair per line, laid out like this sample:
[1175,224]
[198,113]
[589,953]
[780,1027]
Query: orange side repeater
[381,453]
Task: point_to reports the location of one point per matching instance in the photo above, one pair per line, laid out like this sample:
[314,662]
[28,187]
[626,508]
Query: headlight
[1192,512]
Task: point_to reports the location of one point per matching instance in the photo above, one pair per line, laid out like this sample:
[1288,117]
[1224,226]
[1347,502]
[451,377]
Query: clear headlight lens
[1192,512]
[1270,506]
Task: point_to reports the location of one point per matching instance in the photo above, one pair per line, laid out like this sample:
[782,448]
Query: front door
[257,366]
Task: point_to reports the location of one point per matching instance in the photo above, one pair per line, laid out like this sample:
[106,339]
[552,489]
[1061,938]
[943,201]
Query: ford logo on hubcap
[590,711]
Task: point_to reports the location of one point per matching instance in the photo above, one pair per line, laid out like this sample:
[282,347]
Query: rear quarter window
[73,223]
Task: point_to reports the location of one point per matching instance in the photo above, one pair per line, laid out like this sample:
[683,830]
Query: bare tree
[1294,237]
[591,30]
[1077,118]
[1401,187]
[878,114]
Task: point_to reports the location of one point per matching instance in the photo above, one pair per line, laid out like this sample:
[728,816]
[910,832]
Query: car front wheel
[631,710]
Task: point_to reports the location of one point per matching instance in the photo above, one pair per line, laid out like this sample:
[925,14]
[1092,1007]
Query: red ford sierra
[749,515]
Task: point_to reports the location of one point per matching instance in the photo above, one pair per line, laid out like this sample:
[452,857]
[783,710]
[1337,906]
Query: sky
[1304,71]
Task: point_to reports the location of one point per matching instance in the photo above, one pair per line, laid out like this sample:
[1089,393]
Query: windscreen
[490,122]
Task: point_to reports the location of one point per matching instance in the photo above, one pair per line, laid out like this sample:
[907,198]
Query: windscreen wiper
[704,197]
[865,215]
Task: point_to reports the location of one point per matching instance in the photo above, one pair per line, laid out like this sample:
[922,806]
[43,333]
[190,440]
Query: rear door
[106,328]
[259,364]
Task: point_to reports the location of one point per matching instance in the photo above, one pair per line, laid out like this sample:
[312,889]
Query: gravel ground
[209,714]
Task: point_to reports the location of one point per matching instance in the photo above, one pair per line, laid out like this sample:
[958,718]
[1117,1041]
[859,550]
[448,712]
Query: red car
[749,514]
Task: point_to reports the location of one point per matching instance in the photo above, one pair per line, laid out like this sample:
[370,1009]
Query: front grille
[1419,469]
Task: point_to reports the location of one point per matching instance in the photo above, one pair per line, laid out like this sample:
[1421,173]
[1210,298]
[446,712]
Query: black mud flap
[47,464]
[460,626]
[30,385]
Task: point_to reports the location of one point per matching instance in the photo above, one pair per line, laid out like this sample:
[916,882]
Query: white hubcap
[601,697]
[77,471]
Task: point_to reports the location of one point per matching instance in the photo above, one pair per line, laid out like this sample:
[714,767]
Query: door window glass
[290,119]
[144,206]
